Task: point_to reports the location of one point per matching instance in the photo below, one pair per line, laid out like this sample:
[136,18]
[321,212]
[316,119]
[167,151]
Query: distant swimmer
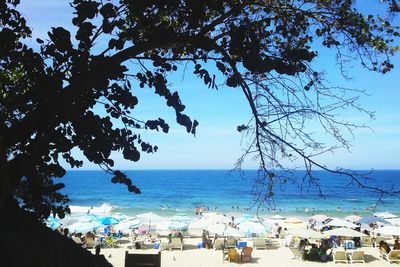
[338,209]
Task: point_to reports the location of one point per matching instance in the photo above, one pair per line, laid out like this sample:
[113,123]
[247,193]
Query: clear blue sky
[217,144]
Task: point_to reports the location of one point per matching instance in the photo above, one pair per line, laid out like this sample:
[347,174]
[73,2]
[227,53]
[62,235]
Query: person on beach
[396,244]
[384,247]
[66,232]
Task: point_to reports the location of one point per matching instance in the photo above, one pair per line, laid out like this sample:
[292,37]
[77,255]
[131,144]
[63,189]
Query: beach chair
[109,242]
[366,241]
[163,246]
[233,255]
[230,243]
[297,254]
[339,256]
[259,243]
[177,243]
[392,256]
[357,256]
[218,244]
[245,255]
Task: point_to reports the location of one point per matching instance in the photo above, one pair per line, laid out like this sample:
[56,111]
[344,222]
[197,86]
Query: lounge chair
[177,243]
[245,255]
[357,256]
[232,254]
[366,241]
[392,256]
[297,254]
[230,243]
[219,244]
[259,243]
[339,256]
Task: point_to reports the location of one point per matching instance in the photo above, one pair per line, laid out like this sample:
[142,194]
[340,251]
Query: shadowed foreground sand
[191,256]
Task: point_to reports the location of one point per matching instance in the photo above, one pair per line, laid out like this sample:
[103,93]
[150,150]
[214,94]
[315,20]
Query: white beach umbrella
[343,231]
[216,228]
[150,216]
[277,217]
[130,224]
[385,215]
[341,223]
[84,227]
[251,227]
[306,233]
[387,230]
[353,218]
[319,217]
[230,231]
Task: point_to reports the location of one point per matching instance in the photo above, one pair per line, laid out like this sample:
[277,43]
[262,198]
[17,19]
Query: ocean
[168,192]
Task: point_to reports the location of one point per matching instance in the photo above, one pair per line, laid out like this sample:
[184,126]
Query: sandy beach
[192,256]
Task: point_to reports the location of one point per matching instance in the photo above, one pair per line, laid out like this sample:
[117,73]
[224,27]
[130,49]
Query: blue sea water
[167,192]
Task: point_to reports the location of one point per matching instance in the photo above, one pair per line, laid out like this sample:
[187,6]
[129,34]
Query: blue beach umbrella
[108,220]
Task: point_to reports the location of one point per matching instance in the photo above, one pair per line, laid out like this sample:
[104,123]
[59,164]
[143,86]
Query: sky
[217,144]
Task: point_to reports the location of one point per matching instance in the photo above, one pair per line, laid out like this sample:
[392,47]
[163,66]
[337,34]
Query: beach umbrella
[306,233]
[293,220]
[230,231]
[83,227]
[181,218]
[385,215]
[319,217]
[343,231]
[251,227]
[217,217]
[171,225]
[67,221]
[216,228]
[108,220]
[387,230]
[277,217]
[126,225]
[341,223]
[150,217]
[353,218]
[372,219]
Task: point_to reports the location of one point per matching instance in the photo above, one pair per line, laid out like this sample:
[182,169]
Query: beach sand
[192,256]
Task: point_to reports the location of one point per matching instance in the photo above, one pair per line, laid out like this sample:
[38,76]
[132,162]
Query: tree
[49,97]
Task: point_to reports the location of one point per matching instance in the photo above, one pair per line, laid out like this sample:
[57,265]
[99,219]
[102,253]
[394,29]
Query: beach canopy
[343,231]
[306,233]
[224,230]
[319,217]
[108,220]
[353,218]
[372,219]
[341,223]
[387,230]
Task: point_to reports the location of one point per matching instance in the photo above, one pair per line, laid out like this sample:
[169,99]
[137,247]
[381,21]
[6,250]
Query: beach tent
[353,218]
[319,217]
[343,231]
[388,230]
[341,223]
[372,219]
[306,233]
